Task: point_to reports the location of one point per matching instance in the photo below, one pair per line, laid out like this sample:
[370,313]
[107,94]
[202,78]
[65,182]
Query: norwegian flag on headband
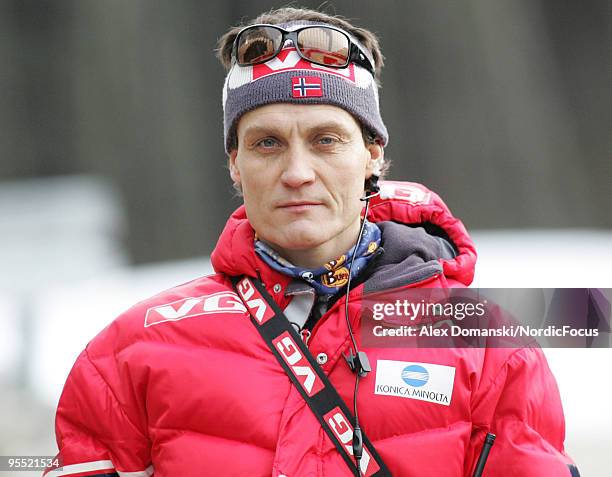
[306,87]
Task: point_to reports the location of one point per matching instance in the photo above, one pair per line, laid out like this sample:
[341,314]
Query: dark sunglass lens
[324,46]
[258,44]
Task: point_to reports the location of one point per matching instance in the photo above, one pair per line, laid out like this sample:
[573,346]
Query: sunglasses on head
[319,44]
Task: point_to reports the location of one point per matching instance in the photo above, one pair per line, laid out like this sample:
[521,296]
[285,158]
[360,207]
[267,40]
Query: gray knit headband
[288,78]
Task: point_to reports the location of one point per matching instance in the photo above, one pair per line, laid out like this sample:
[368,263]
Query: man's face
[302,169]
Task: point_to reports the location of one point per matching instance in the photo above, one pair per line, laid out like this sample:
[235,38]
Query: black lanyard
[307,376]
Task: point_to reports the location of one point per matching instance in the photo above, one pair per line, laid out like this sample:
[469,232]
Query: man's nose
[298,168]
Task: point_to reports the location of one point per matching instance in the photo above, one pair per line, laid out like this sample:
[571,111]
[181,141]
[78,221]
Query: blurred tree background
[503,107]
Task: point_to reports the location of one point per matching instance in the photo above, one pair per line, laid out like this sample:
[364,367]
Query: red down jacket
[183,385]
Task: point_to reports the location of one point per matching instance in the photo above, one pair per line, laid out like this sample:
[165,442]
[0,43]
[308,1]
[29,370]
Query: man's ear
[234,171]
[375,160]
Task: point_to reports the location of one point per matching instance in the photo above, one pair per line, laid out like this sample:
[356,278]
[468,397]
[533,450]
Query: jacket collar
[402,202]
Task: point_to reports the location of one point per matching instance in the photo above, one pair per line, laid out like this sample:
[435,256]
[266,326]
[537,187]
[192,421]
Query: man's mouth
[298,205]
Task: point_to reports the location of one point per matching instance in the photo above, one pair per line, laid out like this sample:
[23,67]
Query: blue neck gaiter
[333,275]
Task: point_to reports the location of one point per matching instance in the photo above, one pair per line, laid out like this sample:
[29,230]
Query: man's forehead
[283,116]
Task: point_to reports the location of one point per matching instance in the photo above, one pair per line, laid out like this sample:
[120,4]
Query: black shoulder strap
[307,376]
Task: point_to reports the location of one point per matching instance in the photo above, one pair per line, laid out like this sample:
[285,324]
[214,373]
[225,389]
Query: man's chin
[300,239]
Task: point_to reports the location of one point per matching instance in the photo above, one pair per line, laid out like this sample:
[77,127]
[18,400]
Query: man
[208,378]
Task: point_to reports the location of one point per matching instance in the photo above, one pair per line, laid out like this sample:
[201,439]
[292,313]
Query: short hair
[289,14]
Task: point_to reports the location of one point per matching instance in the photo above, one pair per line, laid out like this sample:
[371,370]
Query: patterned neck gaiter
[333,275]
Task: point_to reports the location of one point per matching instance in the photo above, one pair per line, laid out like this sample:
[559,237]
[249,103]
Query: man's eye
[267,143]
[327,140]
